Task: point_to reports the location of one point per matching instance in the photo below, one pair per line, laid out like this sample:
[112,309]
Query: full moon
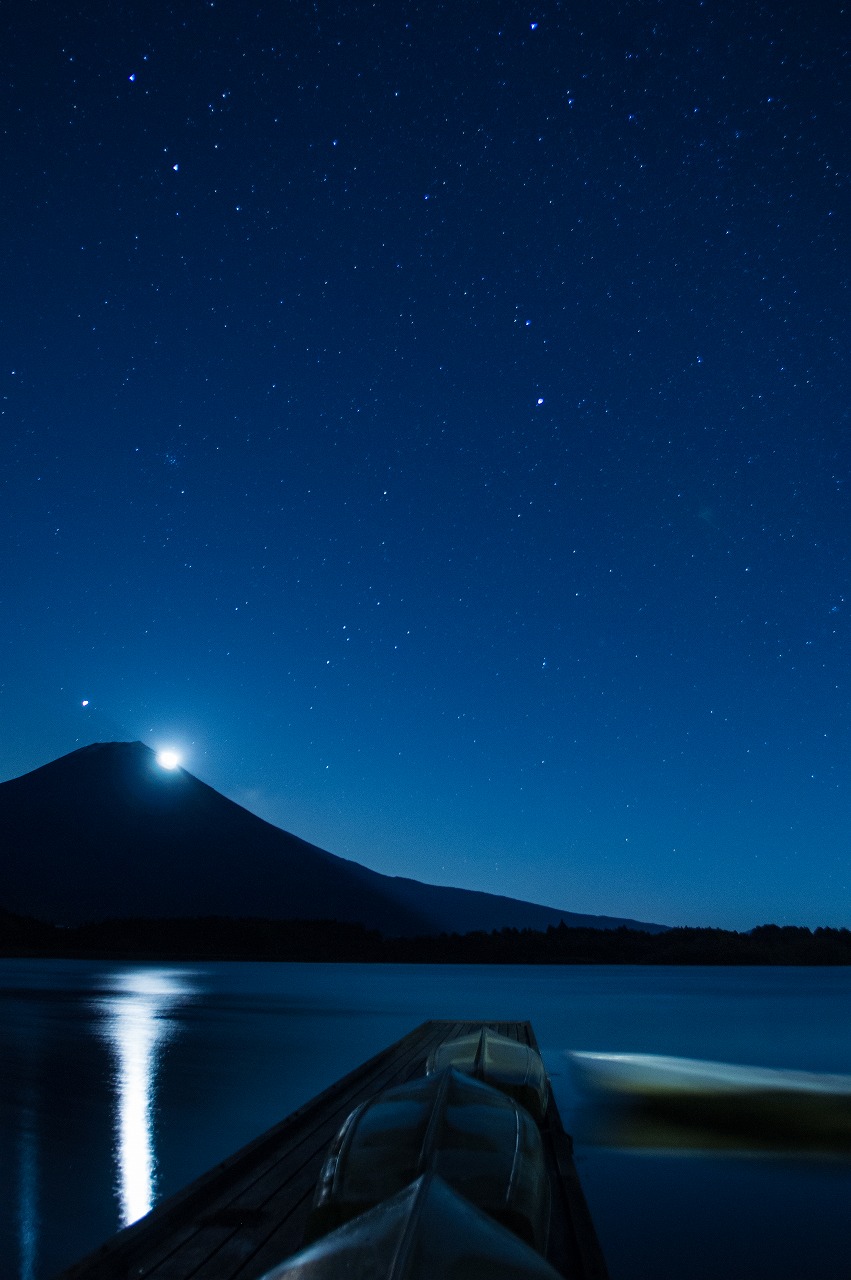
[168,759]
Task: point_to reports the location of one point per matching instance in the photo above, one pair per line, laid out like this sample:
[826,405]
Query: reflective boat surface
[422,1232]
[799,1107]
[482,1143]
[505,1064]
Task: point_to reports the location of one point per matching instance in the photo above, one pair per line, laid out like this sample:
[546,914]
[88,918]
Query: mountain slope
[106,832]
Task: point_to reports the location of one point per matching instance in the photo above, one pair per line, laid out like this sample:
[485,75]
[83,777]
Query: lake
[121,1082]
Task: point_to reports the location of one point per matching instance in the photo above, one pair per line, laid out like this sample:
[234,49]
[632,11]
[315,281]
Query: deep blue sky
[434,420]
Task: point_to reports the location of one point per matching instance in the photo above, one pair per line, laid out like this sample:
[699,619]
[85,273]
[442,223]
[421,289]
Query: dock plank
[249,1212]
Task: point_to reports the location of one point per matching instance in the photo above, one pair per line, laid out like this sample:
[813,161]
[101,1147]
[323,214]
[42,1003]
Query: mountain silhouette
[107,833]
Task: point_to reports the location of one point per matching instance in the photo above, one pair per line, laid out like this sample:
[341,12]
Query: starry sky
[433,420]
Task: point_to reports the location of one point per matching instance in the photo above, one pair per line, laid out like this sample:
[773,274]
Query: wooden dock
[248,1213]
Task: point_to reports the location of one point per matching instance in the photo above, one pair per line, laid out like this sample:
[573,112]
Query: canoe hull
[801,1108]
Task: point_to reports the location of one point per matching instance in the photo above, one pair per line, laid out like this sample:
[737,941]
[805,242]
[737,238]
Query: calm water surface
[121,1082]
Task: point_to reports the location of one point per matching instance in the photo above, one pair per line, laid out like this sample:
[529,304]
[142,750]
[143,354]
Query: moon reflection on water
[136,1025]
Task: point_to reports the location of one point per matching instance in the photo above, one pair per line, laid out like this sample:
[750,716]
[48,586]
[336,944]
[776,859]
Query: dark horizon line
[333,941]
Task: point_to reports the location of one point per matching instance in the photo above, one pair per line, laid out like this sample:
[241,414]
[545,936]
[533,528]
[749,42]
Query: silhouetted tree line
[218,938]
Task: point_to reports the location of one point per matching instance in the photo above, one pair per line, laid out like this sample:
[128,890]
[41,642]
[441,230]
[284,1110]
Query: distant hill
[106,833]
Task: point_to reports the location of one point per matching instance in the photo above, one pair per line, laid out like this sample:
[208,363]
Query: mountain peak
[107,832]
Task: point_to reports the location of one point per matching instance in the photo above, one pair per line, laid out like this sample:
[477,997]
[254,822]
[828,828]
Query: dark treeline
[219,938]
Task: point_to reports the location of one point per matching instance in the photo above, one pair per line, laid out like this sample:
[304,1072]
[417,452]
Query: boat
[483,1143]
[514,1068]
[424,1231]
[771,1104]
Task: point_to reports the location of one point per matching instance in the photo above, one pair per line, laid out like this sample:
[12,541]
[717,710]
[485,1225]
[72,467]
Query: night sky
[434,421]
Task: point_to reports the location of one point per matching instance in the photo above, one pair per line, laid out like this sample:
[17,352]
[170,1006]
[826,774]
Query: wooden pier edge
[238,1219]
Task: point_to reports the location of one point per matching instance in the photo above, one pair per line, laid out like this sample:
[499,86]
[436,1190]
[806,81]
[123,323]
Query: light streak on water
[27,1193]
[136,1026]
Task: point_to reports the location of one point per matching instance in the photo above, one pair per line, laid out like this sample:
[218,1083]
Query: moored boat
[423,1232]
[484,1144]
[803,1107]
[514,1068]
